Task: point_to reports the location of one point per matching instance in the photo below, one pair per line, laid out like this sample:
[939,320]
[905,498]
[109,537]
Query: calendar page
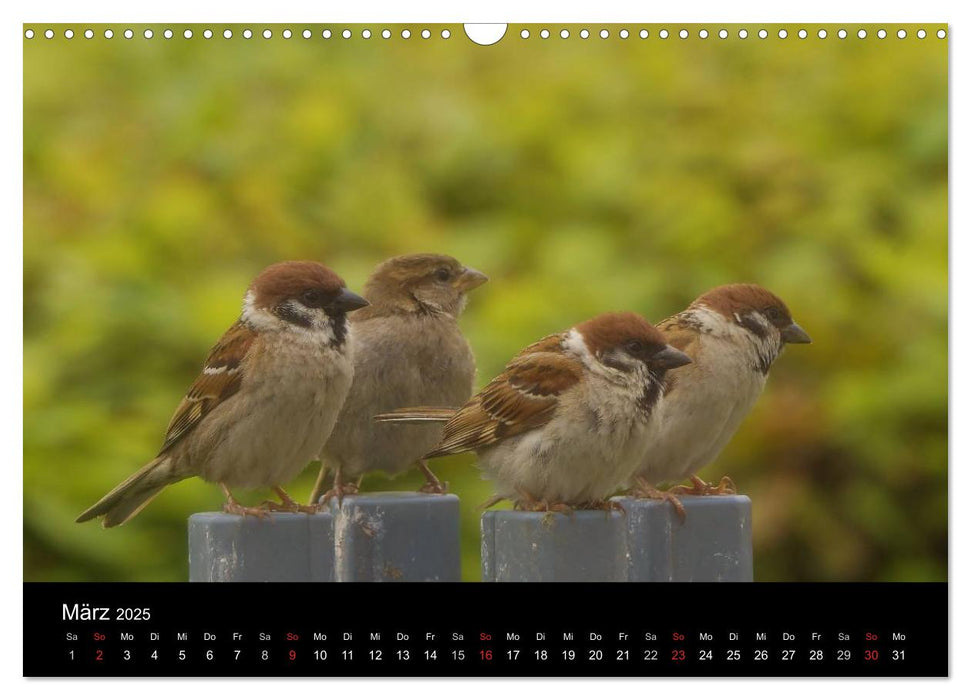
[633,337]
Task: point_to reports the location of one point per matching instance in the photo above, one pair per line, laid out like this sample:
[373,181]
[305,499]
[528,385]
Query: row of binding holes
[445,34]
[724,34]
[246,34]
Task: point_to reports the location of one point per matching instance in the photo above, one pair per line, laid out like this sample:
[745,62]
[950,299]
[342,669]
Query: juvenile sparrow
[569,418]
[408,351]
[266,400]
[732,334]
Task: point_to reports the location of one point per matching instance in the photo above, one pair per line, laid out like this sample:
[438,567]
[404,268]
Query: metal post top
[218,518]
[577,516]
[362,500]
[413,497]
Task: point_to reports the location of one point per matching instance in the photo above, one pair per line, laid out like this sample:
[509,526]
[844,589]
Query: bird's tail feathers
[127,499]
[419,414]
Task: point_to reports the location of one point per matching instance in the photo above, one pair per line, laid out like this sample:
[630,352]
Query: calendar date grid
[331,651]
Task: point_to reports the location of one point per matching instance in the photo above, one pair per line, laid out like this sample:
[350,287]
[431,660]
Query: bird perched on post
[569,418]
[733,334]
[265,401]
[408,351]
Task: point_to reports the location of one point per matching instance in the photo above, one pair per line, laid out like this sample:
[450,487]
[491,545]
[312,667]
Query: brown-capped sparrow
[569,418]
[408,351]
[732,334]
[266,399]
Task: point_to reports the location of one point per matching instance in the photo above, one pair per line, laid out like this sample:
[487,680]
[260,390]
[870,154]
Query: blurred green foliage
[582,176]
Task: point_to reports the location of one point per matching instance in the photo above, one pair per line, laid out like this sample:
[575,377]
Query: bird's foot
[436,486]
[645,490]
[234,508]
[544,506]
[604,505]
[339,491]
[432,483]
[700,487]
[288,505]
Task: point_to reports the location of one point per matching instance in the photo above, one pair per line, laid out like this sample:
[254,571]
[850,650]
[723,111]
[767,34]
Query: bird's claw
[234,508]
[700,487]
[432,482]
[645,490]
[543,506]
[439,487]
[606,506]
[289,507]
[338,492]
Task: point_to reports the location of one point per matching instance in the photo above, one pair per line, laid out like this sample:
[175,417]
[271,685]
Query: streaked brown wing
[681,331]
[551,343]
[522,398]
[220,378]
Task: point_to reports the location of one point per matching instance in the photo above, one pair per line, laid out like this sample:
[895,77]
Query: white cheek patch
[575,345]
[256,318]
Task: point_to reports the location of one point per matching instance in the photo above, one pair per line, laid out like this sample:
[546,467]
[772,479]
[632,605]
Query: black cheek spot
[287,313]
[613,362]
[748,321]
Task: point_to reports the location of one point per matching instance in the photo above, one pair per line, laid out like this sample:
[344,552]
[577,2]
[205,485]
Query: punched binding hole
[487,34]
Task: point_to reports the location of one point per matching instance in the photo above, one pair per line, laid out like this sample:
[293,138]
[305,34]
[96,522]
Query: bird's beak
[669,358]
[470,279]
[793,333]
[348,301]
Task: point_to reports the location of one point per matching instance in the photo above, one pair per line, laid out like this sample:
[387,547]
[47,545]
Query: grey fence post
[524,546]
[713,543]
[283,547]
[397,536]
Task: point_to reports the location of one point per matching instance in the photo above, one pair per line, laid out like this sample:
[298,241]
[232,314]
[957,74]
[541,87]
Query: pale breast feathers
[221,377]
[522,398]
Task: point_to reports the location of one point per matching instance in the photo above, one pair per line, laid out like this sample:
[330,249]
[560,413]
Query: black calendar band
[473,629]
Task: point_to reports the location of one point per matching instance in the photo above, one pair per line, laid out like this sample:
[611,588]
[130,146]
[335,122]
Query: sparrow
[266,399]
[408,351]
[568,419]
[732,334]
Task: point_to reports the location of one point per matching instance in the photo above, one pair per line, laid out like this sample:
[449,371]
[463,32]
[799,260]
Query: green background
[582,175]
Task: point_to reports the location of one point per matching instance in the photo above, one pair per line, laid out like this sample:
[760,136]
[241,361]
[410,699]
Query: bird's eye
[635,347]
[312,298]
[773,314]
[443,274]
